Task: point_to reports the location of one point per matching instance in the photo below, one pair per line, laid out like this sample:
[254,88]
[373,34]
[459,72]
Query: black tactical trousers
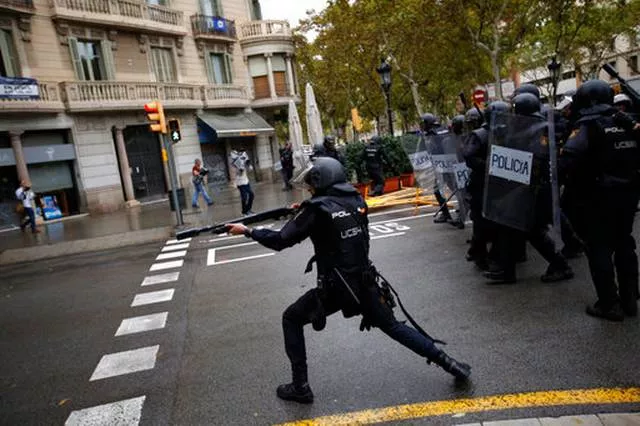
[300,313]
[377,178]
[611,247]
[511,244]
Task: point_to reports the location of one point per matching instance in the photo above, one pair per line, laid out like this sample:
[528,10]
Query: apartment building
[74,124]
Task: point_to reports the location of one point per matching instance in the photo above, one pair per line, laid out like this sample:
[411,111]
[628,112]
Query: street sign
[479,97]
[174,130]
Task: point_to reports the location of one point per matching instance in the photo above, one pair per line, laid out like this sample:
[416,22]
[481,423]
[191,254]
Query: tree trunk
[416,97]
[496,74]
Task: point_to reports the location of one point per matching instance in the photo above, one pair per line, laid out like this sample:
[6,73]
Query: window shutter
[218,6]
[208,67]
[228,60]
[9,54]
[75,58]
[107,60]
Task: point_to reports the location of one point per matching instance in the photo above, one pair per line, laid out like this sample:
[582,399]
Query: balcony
[213,28]
[265,31]
[20,6]
[278,101]
[115,95]
[226,96]
[49,101]
[134,15]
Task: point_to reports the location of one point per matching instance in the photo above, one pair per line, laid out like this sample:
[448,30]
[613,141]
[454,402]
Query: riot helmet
[319,150]
[457,124]
[473,119]
[325,173]
[526,104]
[329,143]
[376,140]
[593,97]
[494,108]
[428,122]
[527,88]
[622,102]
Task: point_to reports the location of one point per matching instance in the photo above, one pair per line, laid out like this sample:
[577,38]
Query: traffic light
[174,130]
[155,114]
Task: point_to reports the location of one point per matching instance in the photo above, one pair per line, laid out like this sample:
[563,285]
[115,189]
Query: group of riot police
[598,165]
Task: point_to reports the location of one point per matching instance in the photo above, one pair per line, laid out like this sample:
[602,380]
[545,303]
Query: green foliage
[394,159]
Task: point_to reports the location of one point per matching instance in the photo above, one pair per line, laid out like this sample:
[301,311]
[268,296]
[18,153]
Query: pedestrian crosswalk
[128,412]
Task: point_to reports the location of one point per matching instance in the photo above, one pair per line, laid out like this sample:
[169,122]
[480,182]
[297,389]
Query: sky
[291,10]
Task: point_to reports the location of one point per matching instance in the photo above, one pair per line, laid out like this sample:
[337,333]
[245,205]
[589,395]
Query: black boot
[443,217]
[559,272]
[612,312]
[294,392]
[459,370]
[500,276]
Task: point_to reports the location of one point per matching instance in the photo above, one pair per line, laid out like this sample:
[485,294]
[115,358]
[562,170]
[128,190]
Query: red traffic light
[151,107]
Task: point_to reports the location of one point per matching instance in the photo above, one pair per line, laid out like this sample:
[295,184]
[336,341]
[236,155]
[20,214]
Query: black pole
[387,92]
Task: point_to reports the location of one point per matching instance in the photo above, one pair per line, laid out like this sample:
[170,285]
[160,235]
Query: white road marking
[166,265]
[240,259]
[152,297]
[171,255]
[142,323]
[175,247]
[402,219]
[395,234]
[211,257]
[162,278]
[186,240]
[126,362]
[121,413]
[252,243]
[232,237]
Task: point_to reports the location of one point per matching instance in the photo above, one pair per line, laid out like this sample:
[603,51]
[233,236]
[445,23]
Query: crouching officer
[335,218]
[601,160]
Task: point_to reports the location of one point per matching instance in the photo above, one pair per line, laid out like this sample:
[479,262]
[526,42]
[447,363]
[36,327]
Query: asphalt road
[220,354]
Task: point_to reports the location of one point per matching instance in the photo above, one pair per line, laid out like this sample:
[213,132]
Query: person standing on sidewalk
[240,161]
[286,160]
[26,197]
[198,175]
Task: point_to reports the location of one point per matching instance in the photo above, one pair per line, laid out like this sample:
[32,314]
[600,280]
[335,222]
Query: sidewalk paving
[138,225]
[615,419]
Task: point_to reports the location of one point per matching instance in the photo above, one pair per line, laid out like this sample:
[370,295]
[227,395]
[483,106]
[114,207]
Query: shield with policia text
[517,176]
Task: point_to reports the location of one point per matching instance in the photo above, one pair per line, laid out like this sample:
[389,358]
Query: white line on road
[175,247]
[142,323]
[240,259]
[126,362]
[171,255]
[395,234]
[152,297]
[402,219]
[162,278]
[186,240]
[232,237]
[253,243]
[166,265]
[121,413]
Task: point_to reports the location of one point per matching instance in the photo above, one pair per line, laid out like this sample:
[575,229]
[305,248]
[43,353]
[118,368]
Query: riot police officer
[602,160]
[335,218]
[373,156]
[511,240]
[475,155]
[457,125]
[329,144]
[431,127]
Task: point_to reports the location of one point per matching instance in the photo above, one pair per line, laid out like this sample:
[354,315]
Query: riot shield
[415,146]
[517,176]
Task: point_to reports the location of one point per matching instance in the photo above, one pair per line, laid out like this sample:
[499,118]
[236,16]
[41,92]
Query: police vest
[372,154]
[615,152]
[343,240]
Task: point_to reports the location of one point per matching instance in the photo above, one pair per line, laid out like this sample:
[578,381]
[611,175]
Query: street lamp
[554,70]
[385,75]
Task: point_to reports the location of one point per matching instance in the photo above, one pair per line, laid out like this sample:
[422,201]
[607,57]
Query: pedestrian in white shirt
[27,197]
[240,162]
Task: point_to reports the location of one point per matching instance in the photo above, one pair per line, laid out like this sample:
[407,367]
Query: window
[279,67]
[258,70]
[211,7]
[8,58]
[92,60]
[219,68]
[163,66]
[255,10]
[158,2]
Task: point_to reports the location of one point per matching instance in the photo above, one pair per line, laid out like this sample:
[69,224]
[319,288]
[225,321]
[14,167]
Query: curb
[30,254]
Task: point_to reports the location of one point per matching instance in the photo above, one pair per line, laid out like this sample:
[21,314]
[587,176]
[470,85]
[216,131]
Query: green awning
[236,125]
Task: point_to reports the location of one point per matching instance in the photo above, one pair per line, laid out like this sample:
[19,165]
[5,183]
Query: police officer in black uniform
[475,155]
[457,125]
[373,156]
[510,240]
[602,159]
[335,218]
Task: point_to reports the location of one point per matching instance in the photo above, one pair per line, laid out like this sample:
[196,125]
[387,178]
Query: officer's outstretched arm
[293,232]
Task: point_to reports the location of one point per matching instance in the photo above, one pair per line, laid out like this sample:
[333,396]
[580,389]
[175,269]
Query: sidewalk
[622,419]
[138,225]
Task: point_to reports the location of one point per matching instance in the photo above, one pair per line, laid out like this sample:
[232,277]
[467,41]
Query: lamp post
[554,71]
[385,75]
